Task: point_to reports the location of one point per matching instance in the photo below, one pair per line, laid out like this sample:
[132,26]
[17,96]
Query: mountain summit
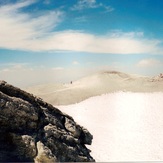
[33,130]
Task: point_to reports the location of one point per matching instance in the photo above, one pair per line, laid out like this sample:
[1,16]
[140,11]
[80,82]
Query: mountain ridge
[97,84]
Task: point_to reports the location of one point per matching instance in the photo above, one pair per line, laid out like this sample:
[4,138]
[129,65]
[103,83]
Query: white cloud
[91,4]
[80,19]
[13,66]
[24,31]
[47,2]
[119,33]
[16,6]
[148,63]
[75,62]
[58,68]
[83,4]
[79,41]
[18,30]
[108,8]
[5,70]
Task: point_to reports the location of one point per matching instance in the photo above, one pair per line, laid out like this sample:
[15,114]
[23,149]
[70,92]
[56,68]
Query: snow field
[126,126]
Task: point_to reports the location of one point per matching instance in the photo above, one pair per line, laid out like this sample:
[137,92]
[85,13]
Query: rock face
[33,130]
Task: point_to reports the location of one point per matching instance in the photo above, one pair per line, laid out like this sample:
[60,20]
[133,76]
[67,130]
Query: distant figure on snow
[71,82]
[161,75]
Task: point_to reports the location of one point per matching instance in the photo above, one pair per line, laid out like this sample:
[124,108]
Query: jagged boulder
[33,130]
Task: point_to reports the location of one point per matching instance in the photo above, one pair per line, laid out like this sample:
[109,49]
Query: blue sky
[59,41]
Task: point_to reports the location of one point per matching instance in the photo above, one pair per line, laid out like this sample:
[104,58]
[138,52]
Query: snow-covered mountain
[96,84]
[125,126]
[125,115]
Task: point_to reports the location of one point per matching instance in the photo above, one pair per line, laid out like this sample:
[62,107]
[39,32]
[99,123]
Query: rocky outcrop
[33,130]
[158,78]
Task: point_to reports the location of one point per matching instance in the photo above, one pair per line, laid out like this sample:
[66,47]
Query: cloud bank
[26,31]
[146,63]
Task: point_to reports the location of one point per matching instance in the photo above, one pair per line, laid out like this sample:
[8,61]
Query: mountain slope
[97,84]
[127,127]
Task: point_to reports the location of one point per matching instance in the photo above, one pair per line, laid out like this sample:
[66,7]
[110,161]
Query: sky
[46,41]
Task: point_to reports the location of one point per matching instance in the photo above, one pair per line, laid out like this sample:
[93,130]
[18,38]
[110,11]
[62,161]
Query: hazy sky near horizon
[62,40]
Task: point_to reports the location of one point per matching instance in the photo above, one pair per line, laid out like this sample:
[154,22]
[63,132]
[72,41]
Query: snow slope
[96,84]
[126,126]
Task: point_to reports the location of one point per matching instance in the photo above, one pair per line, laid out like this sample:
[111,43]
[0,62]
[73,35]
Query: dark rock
[33,130]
